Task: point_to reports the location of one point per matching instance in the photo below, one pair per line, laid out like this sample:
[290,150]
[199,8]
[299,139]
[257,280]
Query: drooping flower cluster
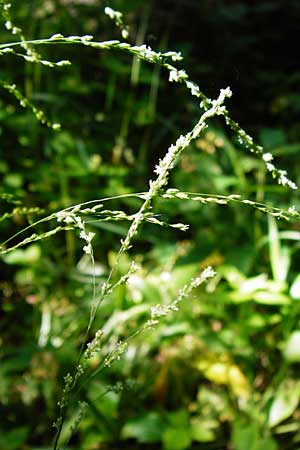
[159,310]
[117,17]
[71,218]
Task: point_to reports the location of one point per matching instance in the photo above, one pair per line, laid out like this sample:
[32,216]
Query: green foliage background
[224,371]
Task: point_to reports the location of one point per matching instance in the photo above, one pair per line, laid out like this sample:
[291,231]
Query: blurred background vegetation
[224,371]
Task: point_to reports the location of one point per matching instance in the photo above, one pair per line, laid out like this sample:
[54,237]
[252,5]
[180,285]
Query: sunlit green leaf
[29,255]
[291,349]
[285,402]
[295,288]
[271,298]
[201,431]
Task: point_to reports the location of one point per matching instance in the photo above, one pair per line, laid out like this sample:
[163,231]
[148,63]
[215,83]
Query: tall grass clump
[77,219]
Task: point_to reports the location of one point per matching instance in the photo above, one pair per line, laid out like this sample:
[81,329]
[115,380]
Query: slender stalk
[162,170]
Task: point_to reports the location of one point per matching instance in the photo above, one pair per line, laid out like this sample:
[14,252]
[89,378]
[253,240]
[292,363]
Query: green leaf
[267,443]
[177,439]
[14,439]
[285,402]
[179,418]
[234,277]
[245,436]
[271,298]
[28,256]
[145,429]
[201,431]
[280,257]
[13,180]
[107,404]
[295,288]
[291,349]
[175,329]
